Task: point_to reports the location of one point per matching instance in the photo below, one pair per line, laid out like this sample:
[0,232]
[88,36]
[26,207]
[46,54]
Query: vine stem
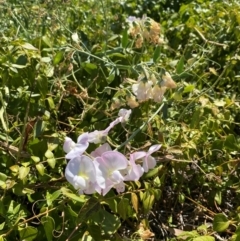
[141,127]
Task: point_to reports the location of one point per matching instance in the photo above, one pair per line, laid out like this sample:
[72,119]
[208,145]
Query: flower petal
[77,150]
[80,172]
[120,187]
[68,145]
[149,163]
[154,148]
[83,139]
[124,115]
[101,149]
[115,160]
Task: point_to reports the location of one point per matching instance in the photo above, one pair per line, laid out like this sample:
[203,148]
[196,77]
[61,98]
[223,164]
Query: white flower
[134,171]
[80,172]
[110,163]
[157,93]
[75,37]
[124,115]
[142,90]
[75,149]
[168,81]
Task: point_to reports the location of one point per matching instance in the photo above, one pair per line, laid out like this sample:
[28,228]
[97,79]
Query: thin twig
[141,127]
[209,41]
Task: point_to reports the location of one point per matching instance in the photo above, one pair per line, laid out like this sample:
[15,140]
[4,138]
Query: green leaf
[41,169]
[51,103]
[51,197]
[2,226]
[135,202]
[28,46]
[180,65]
[122,208]
[236,235]
[79,198]
[23,172]
[148,201]
[35,159]
[42,85]
[218,197]
[156,54]
[18,189]
[38,128]
[95,232]
[48,225]
[231,143]
[125,38]
[58,58]
[3,179]
[4,125]
[151,173]
[90,207]
[204,238]
[220,222]
[49,154]
[47,41]
[89,67]
[46,59]
[28,234]
[188,88]
[108,222]
[51,162]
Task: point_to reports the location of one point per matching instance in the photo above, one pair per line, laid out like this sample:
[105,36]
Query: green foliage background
[52,86]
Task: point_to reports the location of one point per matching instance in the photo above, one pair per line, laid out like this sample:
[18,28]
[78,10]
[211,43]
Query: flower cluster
[147,87]
[144,29]
[104,168]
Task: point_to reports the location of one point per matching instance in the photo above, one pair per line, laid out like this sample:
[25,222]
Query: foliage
[67,67]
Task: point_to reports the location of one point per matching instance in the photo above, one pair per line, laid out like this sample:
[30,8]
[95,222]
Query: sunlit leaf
[134,199]
[220,222]
[28,234]
[29,46]
[125,38]
[41,169]
[49,226]
[23,172]
[156,54]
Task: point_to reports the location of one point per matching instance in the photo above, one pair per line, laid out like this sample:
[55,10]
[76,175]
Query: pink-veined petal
[87,168]
[100,180]
[149,163]
[115,160]
[154,148]
[134,171]
[68,145]
[83,138]
[137,155]
[120,187]
[101,149]
[109,185]
[116,177]
[77,150]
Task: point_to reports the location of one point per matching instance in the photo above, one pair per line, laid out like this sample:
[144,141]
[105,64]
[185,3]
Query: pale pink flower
[75,149]
[134,171]
[110,165]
